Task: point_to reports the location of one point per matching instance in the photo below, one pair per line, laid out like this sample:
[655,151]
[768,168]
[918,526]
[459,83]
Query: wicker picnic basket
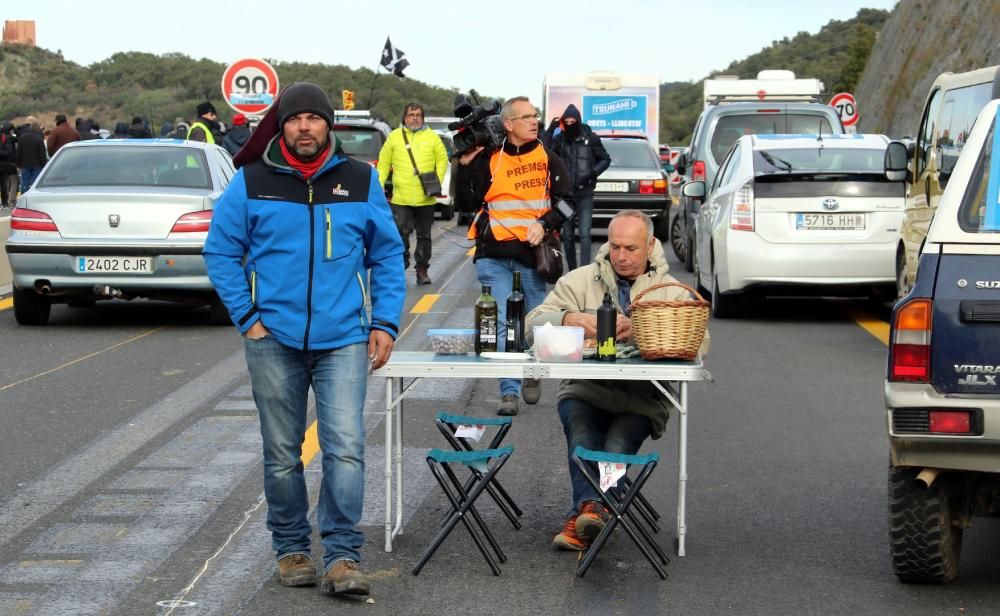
[669,329]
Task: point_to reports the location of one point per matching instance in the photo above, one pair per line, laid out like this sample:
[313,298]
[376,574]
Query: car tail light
[23,219]
[698,171]
[741,216]
[910,356]
[768,111]
[652,187]
[951,422]
[195,222]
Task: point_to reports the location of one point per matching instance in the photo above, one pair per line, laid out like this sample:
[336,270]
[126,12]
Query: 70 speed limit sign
[250,86]
[846,106]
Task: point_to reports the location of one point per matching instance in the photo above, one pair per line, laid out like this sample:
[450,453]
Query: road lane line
[471,251]
[875,327]
[310,444]
[80,359]
[425,303]
[5,304]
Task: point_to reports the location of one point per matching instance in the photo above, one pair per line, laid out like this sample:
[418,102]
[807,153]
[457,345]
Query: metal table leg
[389,403]
[398,530]
[682,469]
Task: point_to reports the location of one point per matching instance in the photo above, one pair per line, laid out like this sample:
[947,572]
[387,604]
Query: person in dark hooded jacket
[8,165]
[138,129]
[237,135]
[83,127]
[585,159]
[120,132]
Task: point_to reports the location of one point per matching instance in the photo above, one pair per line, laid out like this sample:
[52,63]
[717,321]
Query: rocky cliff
[921,40]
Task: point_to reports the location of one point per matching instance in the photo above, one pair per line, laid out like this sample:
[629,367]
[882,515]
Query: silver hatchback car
[117,219]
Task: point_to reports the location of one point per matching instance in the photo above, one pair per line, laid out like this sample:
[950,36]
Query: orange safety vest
[518,195]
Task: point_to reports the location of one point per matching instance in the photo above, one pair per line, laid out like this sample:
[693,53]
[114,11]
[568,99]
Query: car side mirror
[694,190]
[895,162]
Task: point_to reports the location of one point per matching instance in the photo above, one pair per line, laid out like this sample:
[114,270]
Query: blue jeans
[28,175]
[499,275]
[281,377]
[584,206]
[597,430]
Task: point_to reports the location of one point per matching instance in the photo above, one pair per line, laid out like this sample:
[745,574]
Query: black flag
[392,59]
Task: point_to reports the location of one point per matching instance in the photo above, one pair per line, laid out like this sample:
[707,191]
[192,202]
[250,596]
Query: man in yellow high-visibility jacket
[411,208]
[206,127]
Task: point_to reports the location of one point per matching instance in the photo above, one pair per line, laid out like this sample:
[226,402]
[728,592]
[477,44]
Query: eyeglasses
[528,117]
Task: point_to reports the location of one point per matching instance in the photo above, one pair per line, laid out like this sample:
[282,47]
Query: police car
[942,388]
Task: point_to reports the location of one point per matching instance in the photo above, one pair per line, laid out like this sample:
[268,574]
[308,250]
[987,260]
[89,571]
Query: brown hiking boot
[592,520]
[422,277]
[344,578]
[568,539]
[296,570]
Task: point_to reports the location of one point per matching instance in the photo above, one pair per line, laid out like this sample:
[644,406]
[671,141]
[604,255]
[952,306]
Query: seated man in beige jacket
[614,416]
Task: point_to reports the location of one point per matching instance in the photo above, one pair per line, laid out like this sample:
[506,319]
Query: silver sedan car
[117,219]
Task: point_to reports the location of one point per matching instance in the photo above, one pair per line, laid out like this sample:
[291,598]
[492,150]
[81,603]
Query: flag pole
[371,92]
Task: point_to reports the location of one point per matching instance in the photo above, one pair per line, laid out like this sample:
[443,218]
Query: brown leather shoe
[296,570]
[344,578]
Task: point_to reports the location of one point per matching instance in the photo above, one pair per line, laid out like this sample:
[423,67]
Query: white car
[798,215]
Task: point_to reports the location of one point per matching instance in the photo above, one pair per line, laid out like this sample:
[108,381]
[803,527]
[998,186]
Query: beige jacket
[582,290]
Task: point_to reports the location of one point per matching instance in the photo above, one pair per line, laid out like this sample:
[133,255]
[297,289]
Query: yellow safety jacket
[429,152]
[209,137]
[518,195]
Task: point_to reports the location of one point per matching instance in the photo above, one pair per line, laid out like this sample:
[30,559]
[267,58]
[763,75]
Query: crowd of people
[26,146]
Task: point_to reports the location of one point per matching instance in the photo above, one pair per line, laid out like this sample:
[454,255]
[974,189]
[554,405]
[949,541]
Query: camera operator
[512,189]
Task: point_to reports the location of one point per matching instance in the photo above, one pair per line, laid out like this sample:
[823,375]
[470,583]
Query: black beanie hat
[303,96]
[205,107]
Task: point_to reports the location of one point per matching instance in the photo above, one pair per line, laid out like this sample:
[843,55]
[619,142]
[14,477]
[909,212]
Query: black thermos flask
[607,318]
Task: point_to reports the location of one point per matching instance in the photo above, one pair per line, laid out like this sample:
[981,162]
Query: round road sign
[846,106]
[250,85]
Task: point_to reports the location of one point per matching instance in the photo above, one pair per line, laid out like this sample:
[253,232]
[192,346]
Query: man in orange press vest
[514,188]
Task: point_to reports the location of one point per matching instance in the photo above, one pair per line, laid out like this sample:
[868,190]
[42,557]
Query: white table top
[427,364]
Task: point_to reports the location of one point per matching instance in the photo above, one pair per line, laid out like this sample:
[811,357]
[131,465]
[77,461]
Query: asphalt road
[131,477]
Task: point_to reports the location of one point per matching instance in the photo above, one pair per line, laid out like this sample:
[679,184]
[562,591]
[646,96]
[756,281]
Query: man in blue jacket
[292,243]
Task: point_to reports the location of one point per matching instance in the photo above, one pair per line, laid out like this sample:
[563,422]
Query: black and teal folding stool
[488,462]
[619,502]
[448,425]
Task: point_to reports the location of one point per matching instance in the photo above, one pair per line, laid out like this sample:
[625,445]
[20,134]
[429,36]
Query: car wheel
[30,308]
[688,251]
[661,229]
[724,306]
[902,275]
[677,235]
[218,314]
[447,211]
[924,542]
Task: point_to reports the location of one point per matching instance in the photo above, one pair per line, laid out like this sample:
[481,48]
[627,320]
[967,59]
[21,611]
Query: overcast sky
[504,50]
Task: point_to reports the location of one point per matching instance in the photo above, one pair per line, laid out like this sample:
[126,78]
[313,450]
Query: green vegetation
[836,55]
[40,82]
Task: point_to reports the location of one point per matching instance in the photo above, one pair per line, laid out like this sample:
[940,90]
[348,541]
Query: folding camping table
[671,378]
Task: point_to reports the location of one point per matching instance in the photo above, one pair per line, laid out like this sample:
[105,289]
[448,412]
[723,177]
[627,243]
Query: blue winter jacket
[296,254]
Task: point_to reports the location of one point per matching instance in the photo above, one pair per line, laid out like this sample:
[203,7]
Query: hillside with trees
[162,87]
[836,55]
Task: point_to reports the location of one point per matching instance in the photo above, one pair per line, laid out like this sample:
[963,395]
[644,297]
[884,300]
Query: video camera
[479,124]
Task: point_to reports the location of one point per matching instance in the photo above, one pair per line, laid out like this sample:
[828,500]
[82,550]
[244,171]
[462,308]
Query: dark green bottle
[515,317]
[486,322]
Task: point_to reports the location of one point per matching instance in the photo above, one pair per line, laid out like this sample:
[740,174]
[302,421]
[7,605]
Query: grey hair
[507,110]
[643,216]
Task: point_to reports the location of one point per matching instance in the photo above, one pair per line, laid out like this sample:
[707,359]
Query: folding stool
[619,502]
[488,462]
[448,424]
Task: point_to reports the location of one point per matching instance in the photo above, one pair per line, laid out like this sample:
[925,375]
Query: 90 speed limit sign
[846,106]
[250,86]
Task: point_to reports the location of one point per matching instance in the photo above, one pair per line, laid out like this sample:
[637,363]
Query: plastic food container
[452,341]
[558,343]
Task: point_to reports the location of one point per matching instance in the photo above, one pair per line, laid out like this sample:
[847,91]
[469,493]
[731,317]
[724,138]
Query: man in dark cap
[237,135]
[62,134]
[295,238]
[138,129]
[206,127]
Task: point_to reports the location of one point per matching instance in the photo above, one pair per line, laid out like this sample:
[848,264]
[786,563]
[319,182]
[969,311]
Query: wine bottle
[486,321]
[515,317]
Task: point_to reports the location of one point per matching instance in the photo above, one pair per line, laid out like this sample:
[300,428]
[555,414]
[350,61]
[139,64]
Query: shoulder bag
[549,257]
[428,181]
